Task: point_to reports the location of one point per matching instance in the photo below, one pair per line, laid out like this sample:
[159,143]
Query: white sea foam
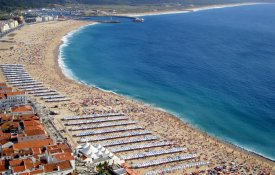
[195,9]
[224,6]
[61,57]
[68,73]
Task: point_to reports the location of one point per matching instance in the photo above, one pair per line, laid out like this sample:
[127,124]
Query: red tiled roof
[28,117]
[35,132]
[15,162]
[64,156]
[7,152]
[3,166]
[64,147]
[2,142]
[10,125]
[19,164]
[65,165]
[31,123]
[33,127]
[28,165]
[5,136]
[22,153]
[15,93]
[18,169]
[54,149]
[59,148]
[21,109]
[6,116]
[30,128]
[36,151]
[50,167]
[32,144]
[36,172]
[2,96]
[27,161]
[3,115]
[37,164]
[5,90]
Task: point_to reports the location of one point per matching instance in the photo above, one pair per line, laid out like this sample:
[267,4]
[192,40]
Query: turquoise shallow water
[213,68]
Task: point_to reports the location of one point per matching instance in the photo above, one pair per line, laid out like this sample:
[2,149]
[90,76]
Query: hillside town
[26,147]
[31,143]
[10,25]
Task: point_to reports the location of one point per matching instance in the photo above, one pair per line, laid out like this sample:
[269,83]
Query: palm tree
[99,168]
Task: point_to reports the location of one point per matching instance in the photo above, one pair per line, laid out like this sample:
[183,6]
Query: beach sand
[189,9]
[37,46]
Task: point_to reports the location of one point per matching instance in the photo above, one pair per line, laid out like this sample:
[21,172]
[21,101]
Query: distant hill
[143,2]
[10,5]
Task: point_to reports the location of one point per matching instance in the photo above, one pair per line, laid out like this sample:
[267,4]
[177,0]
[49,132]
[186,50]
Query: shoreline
[60,61]
[67,74]
[71,77]
[190,9]
[177,117]
[50,73]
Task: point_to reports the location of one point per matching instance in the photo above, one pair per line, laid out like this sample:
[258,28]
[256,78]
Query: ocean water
[213,68]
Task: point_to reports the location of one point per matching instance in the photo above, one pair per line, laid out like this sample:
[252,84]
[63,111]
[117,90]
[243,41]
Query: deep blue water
[213,68]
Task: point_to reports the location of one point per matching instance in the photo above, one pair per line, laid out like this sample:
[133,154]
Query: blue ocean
[213,68]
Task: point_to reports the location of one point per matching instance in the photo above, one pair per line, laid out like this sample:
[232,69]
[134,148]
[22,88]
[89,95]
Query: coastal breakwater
[109,18]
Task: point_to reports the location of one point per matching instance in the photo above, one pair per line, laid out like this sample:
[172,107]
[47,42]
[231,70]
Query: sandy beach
[37,48]
[188,9]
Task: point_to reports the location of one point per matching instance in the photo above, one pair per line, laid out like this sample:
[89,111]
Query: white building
[38,19]
[96,154]
[31,135]
[50,18]
[11,24]
[60,154]
[45,18]
[15,98]
[7,25]
[15,23]
[60,161]
[10,99]
[4,27]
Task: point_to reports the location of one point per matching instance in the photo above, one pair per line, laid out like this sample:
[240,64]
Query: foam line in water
[70,74]
[196,9]
[61,57]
